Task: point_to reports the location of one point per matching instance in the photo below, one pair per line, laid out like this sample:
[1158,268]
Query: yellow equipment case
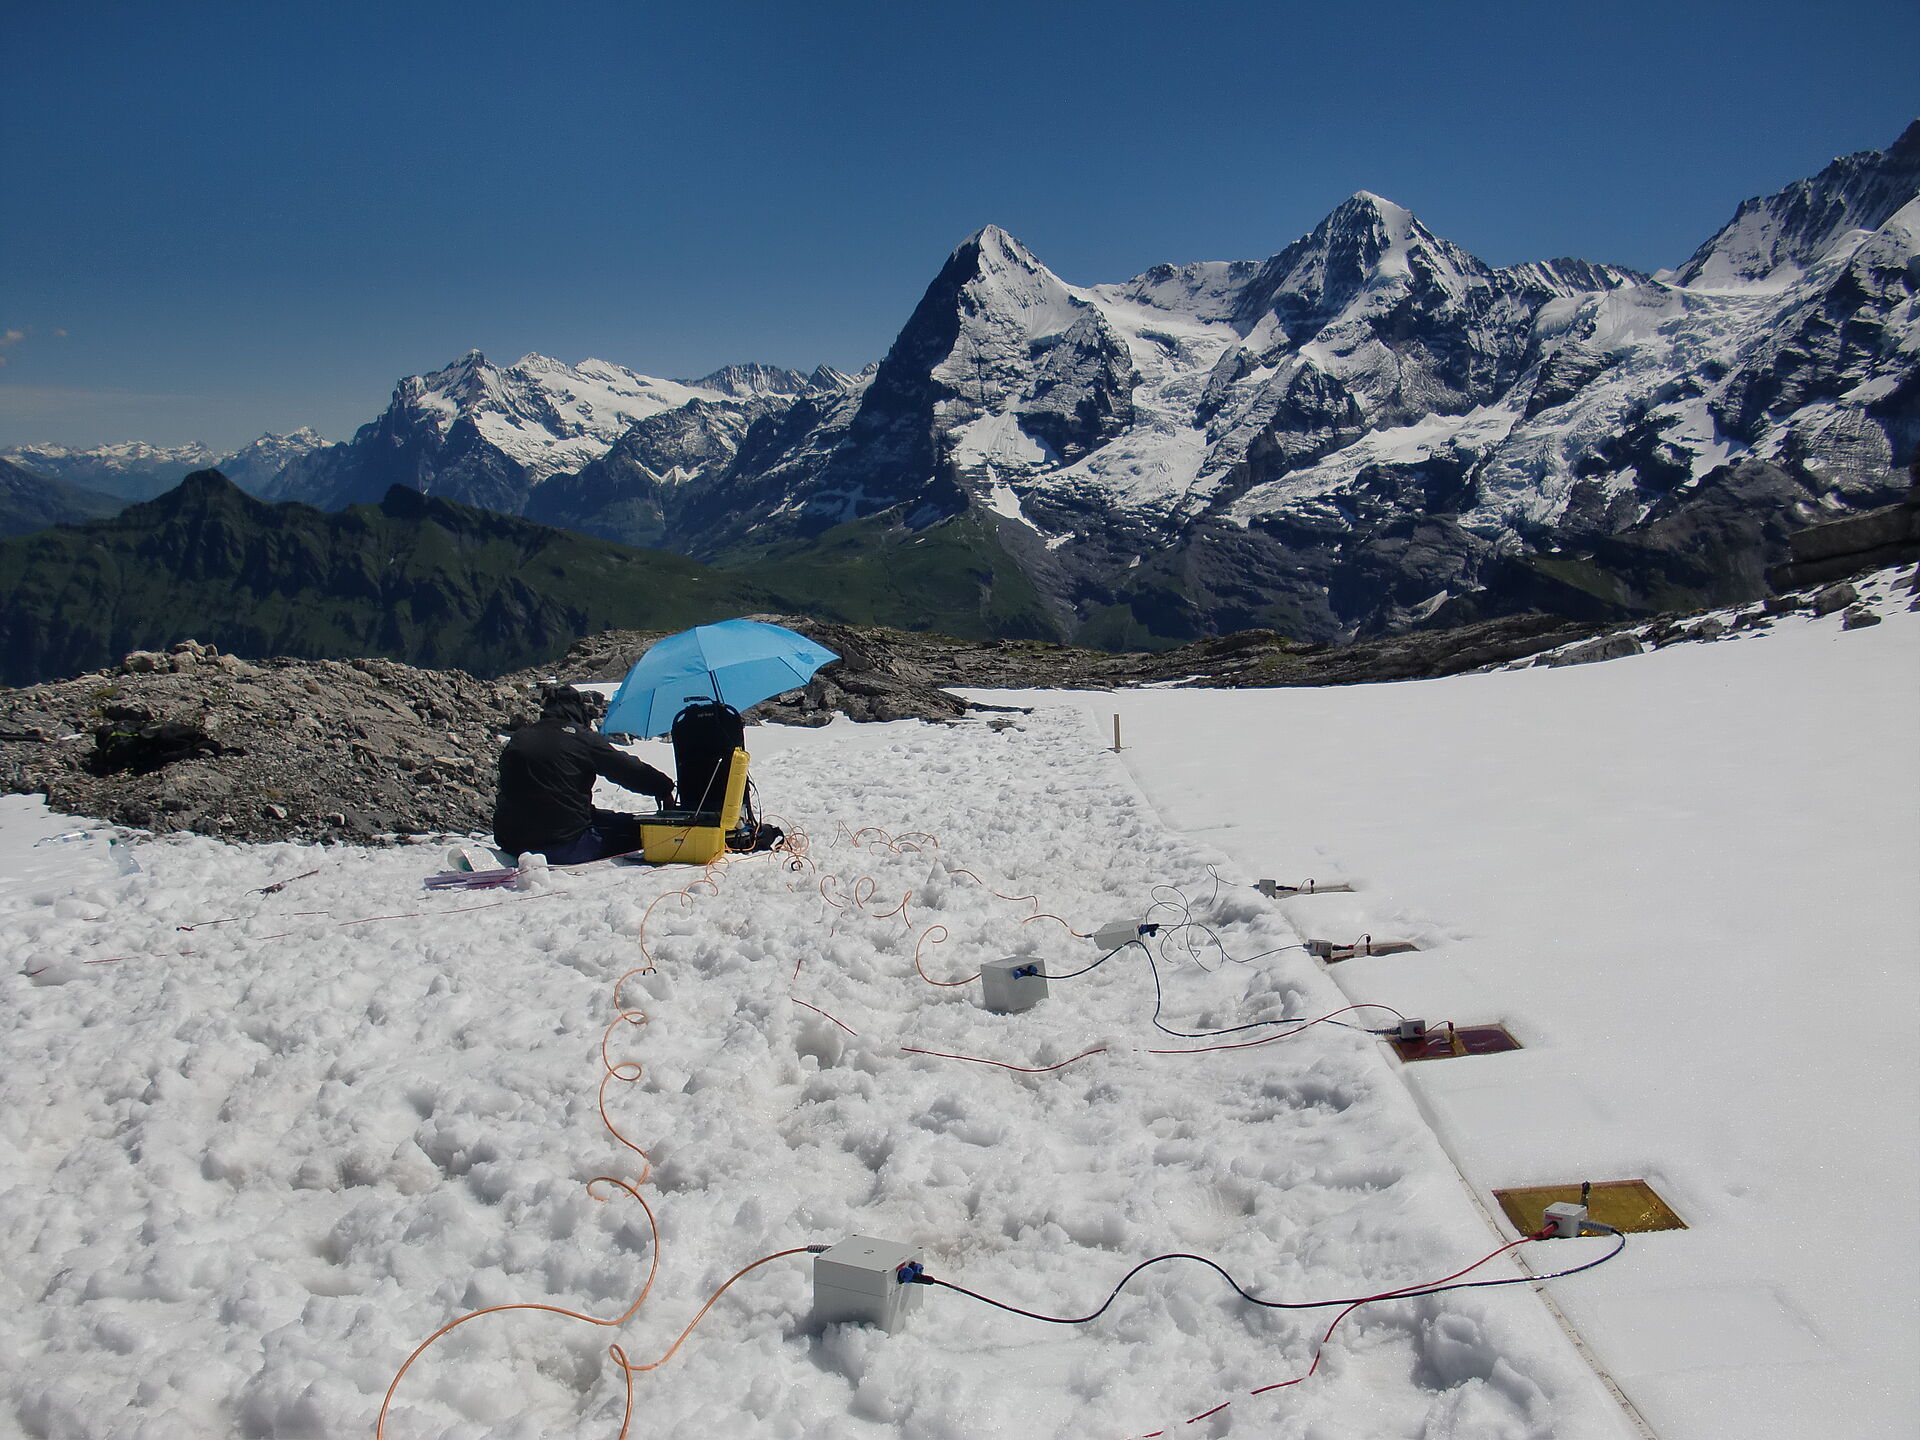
[693,837]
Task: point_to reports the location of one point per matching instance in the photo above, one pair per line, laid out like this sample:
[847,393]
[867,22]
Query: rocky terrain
[369,750]
[198,740]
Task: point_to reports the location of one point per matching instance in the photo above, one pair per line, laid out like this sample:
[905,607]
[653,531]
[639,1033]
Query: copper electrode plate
[1628,1205]
[1451,1042]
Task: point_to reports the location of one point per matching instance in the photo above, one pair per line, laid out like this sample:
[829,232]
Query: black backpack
[705,735]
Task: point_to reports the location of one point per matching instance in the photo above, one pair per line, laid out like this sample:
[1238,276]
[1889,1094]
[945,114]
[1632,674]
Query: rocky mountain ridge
[1368,431]
[489,435]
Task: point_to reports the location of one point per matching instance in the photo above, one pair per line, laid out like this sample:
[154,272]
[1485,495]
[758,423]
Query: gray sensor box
[1019,982]
[859,1280]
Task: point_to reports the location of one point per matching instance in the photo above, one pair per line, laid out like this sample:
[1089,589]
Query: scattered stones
[1858,617]
[1711,628]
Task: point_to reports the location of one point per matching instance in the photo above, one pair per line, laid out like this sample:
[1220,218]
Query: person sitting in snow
[547,772]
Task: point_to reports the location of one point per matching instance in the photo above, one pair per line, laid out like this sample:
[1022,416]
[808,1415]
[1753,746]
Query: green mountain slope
[439,584]
[30,502]
[413,578]
[952,577]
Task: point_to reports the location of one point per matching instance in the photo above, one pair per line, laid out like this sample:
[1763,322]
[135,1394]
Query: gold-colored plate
[1456,1041]
[1628,1205]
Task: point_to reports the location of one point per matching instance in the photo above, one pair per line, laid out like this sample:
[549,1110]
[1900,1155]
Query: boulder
[1835,598]
[1608,647]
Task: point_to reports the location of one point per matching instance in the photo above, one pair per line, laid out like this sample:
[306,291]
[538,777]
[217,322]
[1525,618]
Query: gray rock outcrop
[280,750]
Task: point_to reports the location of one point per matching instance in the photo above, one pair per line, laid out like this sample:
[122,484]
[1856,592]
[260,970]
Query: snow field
[243,1183]
[1685,881]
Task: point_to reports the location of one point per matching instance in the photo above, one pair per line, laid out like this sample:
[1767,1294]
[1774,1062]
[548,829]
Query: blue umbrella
[740,662]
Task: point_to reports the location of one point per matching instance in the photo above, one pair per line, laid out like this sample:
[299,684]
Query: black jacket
[546,782]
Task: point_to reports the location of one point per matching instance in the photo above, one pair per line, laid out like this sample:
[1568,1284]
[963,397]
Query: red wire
[1320,1349]
[818,1011]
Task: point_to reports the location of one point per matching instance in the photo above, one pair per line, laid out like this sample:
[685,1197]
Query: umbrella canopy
[741,662]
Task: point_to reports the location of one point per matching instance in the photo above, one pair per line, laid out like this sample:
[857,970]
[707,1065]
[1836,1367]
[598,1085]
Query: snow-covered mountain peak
[1366,246]
[254,466]
[1773,240]
[752,381]
[997,247]
[469,379]
[1009,286]
[1205,291]
[1377,209]
[826,379]
[542,413]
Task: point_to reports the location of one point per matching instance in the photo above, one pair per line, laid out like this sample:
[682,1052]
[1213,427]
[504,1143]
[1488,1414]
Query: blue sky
[229,218]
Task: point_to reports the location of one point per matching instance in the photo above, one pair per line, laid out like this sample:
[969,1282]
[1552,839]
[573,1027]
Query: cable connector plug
[1117,933]
[1564,1220]
[911,1273]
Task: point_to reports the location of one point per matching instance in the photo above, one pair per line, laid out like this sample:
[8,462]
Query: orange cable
[938,935]
[1049,915]
[653,1271]
[1023,1069]
[632,1369]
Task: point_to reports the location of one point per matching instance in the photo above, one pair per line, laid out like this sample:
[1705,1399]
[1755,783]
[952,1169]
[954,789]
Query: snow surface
[247,1167]
[1686,881]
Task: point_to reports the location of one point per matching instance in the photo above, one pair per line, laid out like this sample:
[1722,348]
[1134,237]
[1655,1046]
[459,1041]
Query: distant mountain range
[135,471]
[1368,431]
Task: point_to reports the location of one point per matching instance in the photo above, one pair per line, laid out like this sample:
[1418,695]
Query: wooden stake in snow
[1116,734]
